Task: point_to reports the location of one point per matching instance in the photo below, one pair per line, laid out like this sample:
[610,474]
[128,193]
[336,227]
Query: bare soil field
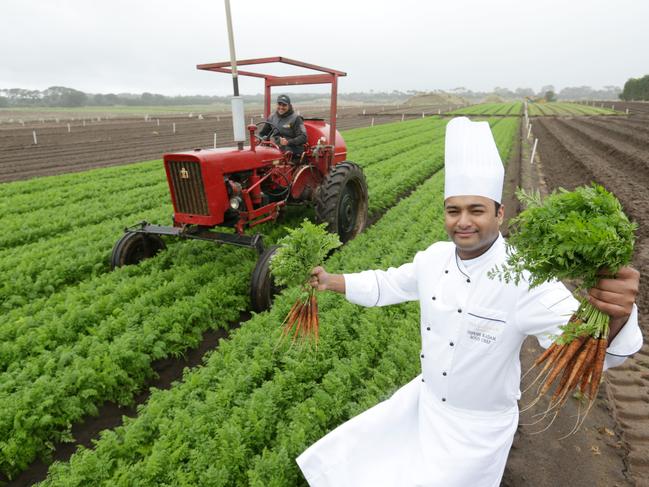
[614,153]
[107,142]
[635,107]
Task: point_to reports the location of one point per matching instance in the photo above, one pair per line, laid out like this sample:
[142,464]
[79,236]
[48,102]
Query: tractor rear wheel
[341,200]
[262,285]
[134,247]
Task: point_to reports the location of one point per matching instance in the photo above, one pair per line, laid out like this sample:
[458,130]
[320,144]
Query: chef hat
[471,161]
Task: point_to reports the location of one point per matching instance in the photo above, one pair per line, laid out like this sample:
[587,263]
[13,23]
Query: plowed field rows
[110,142]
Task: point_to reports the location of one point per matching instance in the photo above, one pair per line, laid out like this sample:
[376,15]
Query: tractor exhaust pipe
[238,115]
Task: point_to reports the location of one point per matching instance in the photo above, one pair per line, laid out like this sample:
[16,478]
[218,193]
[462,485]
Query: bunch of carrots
[570,235]
[304,248]
[575,359]
[304,317]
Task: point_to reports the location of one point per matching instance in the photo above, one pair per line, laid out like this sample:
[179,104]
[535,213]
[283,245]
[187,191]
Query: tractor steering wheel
[274,135]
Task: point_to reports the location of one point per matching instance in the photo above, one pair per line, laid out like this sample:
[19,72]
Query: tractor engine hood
[197,184]
[228,160]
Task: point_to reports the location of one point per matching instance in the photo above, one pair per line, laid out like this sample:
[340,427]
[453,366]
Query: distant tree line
[636,89]
[61,96]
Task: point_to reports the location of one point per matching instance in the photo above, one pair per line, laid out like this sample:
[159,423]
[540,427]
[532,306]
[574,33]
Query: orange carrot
[561,364]
[309,312]
[584,370]
[292,318]
[290,313]
[567,370]
[576,368]
[302,319]
[316,323]
[548,351]
[585,379]
[598,368]
[559,350]
[299,321]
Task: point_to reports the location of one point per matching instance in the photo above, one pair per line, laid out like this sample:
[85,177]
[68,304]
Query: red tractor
[241,188]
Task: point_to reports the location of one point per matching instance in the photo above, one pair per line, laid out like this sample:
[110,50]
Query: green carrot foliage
[304,248]
[569,235]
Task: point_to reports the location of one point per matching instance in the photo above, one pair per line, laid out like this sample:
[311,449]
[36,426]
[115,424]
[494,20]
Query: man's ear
[501,214]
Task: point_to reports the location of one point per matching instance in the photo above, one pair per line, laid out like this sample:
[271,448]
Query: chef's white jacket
[453,425]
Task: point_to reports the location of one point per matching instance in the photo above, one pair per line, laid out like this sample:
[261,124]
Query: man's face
[472,223]
[282,108]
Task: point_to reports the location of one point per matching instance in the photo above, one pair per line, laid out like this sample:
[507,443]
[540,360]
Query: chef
[453,425]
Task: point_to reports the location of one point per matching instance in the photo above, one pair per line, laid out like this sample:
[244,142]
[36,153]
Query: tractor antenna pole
[237,102]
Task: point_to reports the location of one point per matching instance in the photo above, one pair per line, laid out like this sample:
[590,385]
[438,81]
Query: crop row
[30,227]
[504,135]
[63,355]
[43,184]
[42,268]
[511,108]
[361,138]
[403,146]
[74,188]
[564,108]
[243,417]
[376,153]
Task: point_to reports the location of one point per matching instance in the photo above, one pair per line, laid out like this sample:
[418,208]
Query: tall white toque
[471,161]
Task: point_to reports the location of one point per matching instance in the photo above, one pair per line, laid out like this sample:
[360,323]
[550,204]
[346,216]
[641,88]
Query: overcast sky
[145,45]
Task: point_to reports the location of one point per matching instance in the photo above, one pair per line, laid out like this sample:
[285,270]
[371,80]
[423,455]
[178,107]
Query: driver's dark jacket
[291,127]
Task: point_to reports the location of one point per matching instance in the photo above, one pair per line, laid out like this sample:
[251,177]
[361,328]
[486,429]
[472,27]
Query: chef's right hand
[323,281]
[319,278]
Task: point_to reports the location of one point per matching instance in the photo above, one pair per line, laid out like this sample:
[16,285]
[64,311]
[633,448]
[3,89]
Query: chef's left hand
[615,297]
[283,141]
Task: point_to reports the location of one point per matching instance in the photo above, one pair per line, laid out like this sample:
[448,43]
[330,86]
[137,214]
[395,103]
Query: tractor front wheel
[262,285]
[341,200]
[134,247]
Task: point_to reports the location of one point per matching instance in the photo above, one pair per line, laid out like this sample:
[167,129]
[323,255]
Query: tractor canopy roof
[325,76]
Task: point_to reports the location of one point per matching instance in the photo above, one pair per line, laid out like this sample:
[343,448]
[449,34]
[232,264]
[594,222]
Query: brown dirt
[636,108]
[110,142]
[614,153]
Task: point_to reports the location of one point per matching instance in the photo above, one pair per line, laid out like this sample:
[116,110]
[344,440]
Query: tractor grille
[188,187]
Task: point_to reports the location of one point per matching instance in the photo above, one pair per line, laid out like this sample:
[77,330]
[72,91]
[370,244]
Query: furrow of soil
[633,153]
[612,170]
[636,127]
[571,156]
[635,107]
[623,136]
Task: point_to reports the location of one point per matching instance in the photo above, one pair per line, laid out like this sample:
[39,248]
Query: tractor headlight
[235,202]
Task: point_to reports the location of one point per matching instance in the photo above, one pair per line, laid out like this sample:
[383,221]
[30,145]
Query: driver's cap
[283,99]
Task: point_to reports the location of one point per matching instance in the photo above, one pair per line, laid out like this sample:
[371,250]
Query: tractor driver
[292,134]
